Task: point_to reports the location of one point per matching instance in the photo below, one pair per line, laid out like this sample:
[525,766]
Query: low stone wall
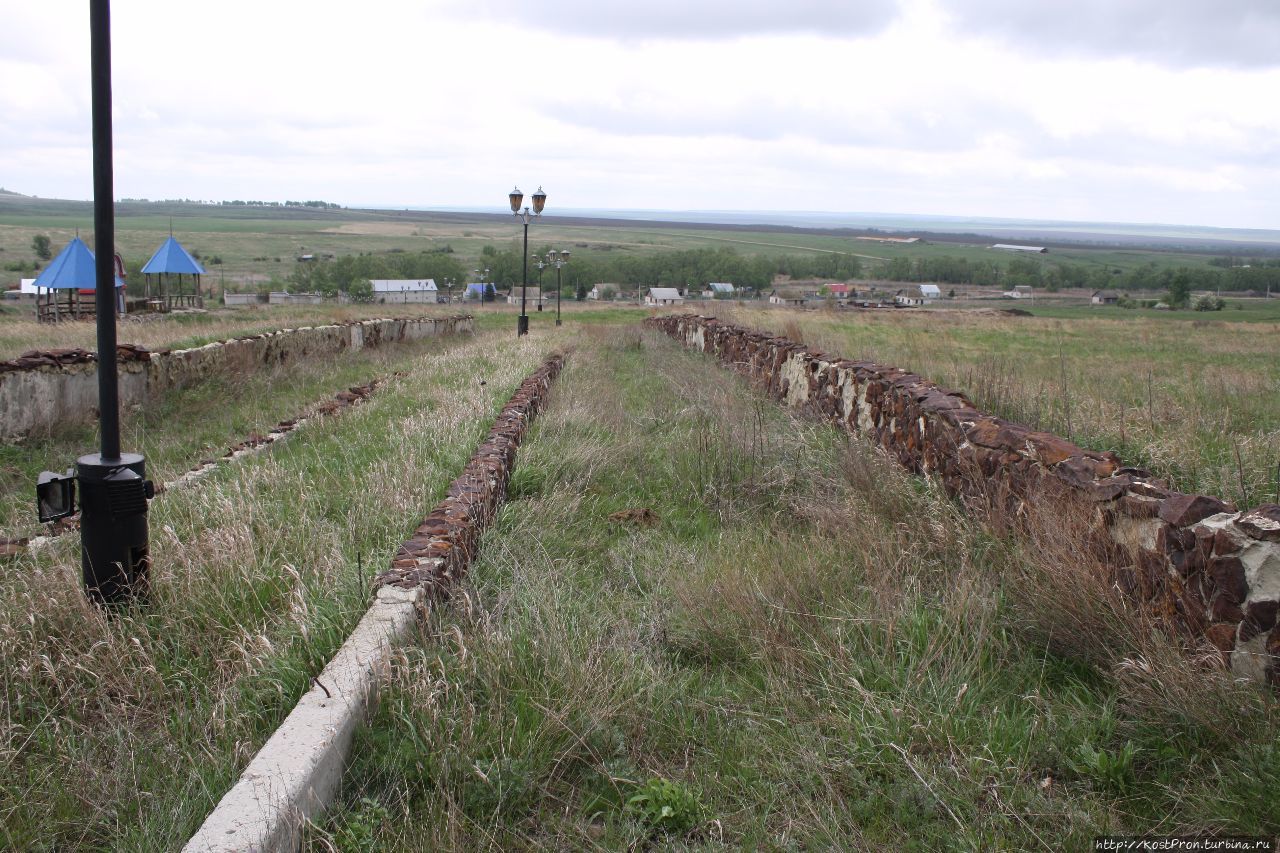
[441,549]
[1207,569]
[41,389]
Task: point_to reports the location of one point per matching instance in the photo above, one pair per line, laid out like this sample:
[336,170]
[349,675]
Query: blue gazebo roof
[172,258]
[73,269]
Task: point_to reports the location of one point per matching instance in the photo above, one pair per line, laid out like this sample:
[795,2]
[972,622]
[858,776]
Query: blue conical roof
[73,269]
[172,258]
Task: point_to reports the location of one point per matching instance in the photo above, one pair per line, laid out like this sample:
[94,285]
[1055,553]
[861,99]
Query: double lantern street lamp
[557,260]
[553,259]
[483,275]
[539,200]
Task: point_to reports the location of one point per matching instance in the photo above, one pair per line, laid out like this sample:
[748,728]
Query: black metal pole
[115,558]
[104,229]
[541,266]
[559,288]
[522,325]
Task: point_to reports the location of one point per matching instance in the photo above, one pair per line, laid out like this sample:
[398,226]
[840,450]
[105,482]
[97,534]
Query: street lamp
[541,265]
[484,288]
[539,201]
[558,260]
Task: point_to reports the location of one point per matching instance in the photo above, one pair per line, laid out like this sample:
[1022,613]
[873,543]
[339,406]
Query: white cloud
[892,109]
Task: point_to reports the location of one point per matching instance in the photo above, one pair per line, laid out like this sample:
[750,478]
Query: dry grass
[1198,404]
[120,730]
[811,649]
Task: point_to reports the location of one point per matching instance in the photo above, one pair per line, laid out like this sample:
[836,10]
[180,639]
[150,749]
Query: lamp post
[114,552]
[558,260]
[484,288]
[541,265]
[539,200]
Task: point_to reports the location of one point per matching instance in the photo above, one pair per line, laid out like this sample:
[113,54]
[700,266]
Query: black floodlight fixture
[55,495]
[539,201]
[517,199]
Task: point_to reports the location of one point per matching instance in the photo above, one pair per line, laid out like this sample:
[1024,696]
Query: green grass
[121,730]
[187,426]
[242,237]
[810,650]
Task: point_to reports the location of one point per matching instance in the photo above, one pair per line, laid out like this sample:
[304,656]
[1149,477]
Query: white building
[663,296]
[720,289]
[405,290]
[1011,247]
[916,295]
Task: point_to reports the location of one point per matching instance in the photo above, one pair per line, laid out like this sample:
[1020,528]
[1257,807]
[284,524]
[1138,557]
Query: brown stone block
[1262,523]
[1259,617]
[1186,510]
[1221,636]
[1226,610]
[1228,576]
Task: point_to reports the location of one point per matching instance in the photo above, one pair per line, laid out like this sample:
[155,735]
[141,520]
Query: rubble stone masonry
[441,549]
[42,389]
[1208,570]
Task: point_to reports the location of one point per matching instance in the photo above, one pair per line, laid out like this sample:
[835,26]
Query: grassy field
[796,647]
[121,730]
[257,244]
[1197,401]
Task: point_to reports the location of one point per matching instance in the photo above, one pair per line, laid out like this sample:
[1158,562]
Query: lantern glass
[539,201]
[517,198]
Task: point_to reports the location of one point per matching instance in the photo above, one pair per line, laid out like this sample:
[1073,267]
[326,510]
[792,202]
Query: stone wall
[441,549]
[41,389]
[1210,571]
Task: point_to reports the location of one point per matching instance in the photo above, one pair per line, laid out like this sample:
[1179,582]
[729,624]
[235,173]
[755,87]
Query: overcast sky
[1117,110]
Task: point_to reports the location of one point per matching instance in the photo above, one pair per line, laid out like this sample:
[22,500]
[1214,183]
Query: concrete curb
[297,773]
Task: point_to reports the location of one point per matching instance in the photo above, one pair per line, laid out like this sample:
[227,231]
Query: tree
[1180,289]
[40,243]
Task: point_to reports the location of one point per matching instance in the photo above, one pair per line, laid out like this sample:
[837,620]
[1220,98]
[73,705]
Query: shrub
[665,805]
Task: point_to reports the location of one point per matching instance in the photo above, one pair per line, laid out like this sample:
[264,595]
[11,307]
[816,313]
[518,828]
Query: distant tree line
[1053,275]
[696,267]
[350,274]
[323,205]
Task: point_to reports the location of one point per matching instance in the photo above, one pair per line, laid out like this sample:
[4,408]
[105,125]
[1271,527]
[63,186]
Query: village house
[663,296]
[786,301]
[533,295]
[916,295]
[1104,297]
[718,290]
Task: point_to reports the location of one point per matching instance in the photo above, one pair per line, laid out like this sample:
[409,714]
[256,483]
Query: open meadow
[701,621]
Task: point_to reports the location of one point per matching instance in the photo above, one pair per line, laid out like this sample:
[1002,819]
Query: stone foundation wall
[41,389]
[1210,571]
[441,549]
